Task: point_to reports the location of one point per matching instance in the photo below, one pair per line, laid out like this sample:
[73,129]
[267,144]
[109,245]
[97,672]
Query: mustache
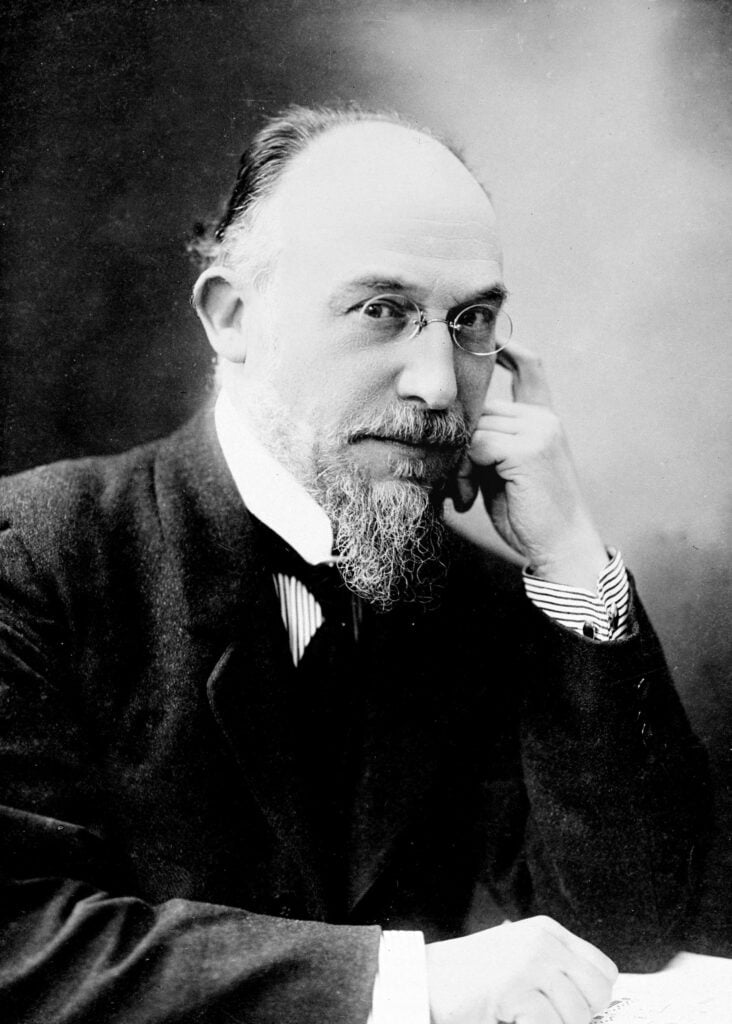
[411,424]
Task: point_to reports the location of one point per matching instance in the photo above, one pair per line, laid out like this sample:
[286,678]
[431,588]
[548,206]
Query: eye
[476,318]
[482,329]
[386,307]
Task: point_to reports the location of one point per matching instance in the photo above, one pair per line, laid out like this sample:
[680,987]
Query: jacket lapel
[250,696]
[230,610]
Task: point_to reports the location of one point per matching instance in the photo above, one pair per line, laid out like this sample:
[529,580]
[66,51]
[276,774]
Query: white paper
[691,989]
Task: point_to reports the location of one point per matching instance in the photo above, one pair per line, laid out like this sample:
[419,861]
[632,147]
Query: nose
[428,372]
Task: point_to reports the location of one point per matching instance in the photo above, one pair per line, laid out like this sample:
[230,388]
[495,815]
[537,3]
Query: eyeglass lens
[480,329]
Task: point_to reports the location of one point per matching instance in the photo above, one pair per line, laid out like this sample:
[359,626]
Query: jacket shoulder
[66,513]
[61,492]
[72,487]
[63,527]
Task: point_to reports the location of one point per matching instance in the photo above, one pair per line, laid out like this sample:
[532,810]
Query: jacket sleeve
[617,789]
[76,944]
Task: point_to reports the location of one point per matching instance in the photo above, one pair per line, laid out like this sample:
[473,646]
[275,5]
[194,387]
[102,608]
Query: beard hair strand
[390,537]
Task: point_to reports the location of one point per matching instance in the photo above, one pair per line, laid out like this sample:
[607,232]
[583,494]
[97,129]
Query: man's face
[372,425]
[367,210]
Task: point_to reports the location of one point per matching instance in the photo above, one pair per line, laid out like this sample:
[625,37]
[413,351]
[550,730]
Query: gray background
[604,132]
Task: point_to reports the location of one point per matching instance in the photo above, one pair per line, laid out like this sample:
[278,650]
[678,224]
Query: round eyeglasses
[481,329]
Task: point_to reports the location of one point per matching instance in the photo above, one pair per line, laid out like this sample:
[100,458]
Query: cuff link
[613,616]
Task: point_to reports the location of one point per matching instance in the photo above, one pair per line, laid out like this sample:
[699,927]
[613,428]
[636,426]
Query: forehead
[381,199]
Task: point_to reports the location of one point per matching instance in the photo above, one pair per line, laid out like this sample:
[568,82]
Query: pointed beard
[390,534]
[390,537]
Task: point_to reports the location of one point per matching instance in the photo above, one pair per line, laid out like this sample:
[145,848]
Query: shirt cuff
[599,616]
[400,987]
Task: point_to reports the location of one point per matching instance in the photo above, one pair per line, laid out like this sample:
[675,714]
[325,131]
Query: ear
[220,307]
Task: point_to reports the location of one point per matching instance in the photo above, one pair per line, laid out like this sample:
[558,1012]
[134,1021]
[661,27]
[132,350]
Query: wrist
[578,562]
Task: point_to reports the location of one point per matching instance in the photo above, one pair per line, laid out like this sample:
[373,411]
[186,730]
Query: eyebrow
[496,293]
[493,293]
[376,284]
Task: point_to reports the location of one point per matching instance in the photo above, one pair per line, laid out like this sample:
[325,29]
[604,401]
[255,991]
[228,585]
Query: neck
[265,416]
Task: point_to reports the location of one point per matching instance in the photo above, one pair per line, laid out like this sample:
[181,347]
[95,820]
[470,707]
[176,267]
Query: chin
[401,473]
[432,472]
[382,463]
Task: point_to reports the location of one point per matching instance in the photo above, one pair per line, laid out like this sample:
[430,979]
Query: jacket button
[642,687]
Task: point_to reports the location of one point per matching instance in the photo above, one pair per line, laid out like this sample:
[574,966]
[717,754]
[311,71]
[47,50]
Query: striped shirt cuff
[400,989]
[599,616]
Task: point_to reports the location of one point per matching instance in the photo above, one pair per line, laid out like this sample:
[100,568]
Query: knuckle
[536,949]
[542,921]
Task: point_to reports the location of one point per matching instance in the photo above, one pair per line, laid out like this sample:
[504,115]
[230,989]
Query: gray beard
[389,537]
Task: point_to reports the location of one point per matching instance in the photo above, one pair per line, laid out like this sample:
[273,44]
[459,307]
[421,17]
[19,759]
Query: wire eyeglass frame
[420,320]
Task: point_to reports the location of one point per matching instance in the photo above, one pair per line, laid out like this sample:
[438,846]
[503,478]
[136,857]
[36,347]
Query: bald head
[374,153]
[358,182]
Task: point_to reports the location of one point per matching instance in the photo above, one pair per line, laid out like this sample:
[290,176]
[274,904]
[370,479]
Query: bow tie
[323,581]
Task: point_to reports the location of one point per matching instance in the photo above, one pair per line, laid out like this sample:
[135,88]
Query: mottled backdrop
[605,135]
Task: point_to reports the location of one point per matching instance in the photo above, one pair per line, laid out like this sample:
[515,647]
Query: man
[257,705]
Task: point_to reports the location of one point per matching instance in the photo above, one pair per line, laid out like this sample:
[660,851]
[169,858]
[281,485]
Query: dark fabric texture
[173,847]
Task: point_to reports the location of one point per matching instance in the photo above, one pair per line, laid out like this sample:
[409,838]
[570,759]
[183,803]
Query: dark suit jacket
[158,858]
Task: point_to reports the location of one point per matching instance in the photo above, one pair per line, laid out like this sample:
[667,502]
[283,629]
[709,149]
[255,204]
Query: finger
[502,407]
[528,380]
[501,424]
[594,957]
[528,1008]
[491,448]
[568,1000]
[581,948]
[581,976]
[596,988]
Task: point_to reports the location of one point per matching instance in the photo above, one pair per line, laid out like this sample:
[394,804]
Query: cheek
[344,396]
[287,363]
[321,376]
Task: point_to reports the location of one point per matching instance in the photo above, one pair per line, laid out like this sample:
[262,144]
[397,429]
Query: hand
[520,460]
[530,972]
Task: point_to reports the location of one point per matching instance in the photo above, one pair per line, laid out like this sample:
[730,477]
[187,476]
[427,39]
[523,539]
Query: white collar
[271,492]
